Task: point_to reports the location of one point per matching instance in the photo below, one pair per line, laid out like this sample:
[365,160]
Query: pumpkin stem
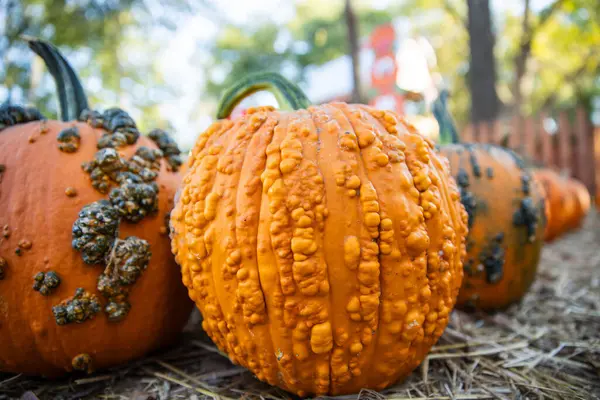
[288,95]
[448,132]
[71,97]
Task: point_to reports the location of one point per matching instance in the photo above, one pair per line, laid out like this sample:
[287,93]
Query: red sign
[384,70]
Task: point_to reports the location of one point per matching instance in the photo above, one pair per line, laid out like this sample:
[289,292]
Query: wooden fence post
[530,139]
[564,142]
[496,134]
[547,142]
[515,134]
[467,134]
[585,154]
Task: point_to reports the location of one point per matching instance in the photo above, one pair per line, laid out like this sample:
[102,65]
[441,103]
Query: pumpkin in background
[556,200]
[581,200]
[569,202]
[506,224]
[506,218]
[323,246]
[87,279]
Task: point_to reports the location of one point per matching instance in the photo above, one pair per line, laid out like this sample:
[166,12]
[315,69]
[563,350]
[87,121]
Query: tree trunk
[521,59]
[354,49]
[485,104]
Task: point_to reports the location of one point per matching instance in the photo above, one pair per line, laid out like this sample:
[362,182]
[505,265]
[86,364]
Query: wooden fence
[566,142]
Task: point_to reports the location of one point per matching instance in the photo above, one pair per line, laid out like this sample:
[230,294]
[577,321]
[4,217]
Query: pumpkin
[322,245]
[555,200]
[506,218]
[87,278]
[569,202]
[581,200]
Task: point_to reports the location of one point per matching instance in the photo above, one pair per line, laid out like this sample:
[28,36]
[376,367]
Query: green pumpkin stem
[288,95]
[71,97]
[448,132]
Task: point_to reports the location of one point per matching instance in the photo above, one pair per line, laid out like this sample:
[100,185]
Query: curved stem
[448,132]
[71,97]
[288,95]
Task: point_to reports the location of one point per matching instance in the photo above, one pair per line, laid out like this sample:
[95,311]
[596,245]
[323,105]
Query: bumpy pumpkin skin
[503,248]
[36,208]
[323,247]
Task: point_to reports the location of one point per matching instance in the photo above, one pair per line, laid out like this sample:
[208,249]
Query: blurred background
[509,66]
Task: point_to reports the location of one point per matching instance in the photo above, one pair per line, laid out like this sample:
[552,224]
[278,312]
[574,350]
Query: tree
[544,58]
[557,59]
[482,71]
[527,36]
[97,37]
[315,36]
[353,45]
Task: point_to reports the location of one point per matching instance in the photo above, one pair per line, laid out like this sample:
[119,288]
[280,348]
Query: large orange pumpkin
[87,277]
[323,245]
[506,224]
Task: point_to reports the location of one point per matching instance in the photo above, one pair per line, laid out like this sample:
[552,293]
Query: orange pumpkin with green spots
[506,224]
[87,279]
[322,245]
[506,217]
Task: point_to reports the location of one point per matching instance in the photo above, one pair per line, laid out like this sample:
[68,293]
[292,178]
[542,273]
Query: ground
[546,347]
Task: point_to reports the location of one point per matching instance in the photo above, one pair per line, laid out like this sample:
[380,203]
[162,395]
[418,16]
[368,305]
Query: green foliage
[315,36]
[97,38]
[107,42]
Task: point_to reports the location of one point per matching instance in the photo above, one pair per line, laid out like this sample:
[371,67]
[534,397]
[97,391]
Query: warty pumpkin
[506,212]
[87,277]
[322,245]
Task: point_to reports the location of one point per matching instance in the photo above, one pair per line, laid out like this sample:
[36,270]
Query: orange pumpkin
[581,200]
[87,277]
[569,202]
[506,224]
[555,199]
[323,245]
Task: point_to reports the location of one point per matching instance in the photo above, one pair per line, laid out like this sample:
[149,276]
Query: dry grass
[547,347]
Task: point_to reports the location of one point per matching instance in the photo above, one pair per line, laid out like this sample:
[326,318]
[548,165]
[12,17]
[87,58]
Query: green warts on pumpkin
[127,260]
[83,362]
[95,230]
[13,115]
[121,128]
[492,259]
[466,197]
[46,282]
[134,195]
[69,140]
[134,201]
[168,146]
[95,233]
[527,215]
[81,307]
